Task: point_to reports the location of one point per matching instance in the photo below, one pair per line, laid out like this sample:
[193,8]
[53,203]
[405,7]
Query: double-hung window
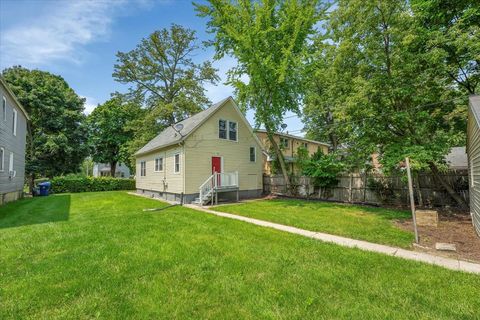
[143,169]
[2,159]
[10,164]
[222,129]
[14,124]
[158,164]
[232,130]
[176,168]
[4,109]
[227,130]
[253,154]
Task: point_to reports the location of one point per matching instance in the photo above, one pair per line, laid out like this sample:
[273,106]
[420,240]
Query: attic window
[222,129]
[232,130]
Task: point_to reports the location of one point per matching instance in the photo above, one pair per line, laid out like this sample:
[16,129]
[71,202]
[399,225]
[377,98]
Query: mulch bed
[454,228]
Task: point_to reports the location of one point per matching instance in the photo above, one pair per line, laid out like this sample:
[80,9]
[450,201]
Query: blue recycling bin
[44,188]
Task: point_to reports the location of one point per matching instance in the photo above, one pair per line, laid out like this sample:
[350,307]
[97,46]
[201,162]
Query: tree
[267,38]
[164,79]
[56,139]
[400,99]
[108,131]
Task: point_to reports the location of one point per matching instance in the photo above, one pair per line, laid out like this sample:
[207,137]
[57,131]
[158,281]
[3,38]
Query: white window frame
[4,108]
[2,159]
[15,118]
[472,177]
[175,171]
[160,167]
[143,168]
[226,129]
[236,130]
[10,163]
[254,154]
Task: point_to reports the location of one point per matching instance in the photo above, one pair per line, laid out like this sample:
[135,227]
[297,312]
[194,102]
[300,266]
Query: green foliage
[108,131]
[165,80]
[324,169]
[267,38]
[57,135]
[81,183]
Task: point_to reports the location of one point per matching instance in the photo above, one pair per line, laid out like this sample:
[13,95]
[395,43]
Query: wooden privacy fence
[375,188]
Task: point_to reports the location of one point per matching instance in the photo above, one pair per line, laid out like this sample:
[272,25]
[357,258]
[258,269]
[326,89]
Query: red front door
[217,167]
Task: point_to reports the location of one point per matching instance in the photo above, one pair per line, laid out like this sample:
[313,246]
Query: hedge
[89,184]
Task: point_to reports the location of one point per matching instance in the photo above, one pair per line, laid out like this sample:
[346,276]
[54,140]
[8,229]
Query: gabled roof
[10,92]
[293,137]
[169,136]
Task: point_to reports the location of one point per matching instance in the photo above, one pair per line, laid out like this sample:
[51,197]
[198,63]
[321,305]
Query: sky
[78,40]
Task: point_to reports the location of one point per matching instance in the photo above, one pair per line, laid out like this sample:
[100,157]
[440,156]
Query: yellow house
[289,145]
[213,154]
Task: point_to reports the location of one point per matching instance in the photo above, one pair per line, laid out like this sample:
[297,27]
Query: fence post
[350,188]
[365,187]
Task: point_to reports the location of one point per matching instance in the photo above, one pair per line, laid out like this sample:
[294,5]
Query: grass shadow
[35,211]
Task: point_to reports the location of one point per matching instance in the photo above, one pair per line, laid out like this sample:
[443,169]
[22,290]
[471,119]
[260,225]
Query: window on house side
[10,165]
[158,164]
[14,119]
[177,163]
[143,169]
[222,129]
[232,130]
[305,145]
[2,159]
[253,154]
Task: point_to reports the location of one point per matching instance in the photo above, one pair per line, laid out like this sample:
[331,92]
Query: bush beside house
[75,183]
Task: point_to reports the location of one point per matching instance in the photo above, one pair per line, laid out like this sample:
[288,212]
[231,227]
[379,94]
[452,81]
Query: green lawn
[98,255]
[359,222]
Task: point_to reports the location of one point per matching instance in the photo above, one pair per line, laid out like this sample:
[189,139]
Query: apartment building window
[14,119]
[305,145]
[2,159]
[177,163]
[158,164]
[143,169]
[4,109]
[253,154]
[283,143]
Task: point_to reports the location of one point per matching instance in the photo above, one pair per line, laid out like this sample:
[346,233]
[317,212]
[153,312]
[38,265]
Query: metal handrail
[216,180]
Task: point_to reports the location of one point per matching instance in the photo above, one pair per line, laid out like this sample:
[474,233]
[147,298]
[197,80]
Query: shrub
[77,183]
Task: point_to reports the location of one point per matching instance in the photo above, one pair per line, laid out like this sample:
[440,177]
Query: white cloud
[59,35]
[90,104]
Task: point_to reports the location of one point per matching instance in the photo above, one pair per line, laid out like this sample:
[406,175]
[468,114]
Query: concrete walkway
[452,264]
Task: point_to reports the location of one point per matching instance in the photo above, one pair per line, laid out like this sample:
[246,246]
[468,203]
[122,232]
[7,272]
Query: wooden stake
[412,200]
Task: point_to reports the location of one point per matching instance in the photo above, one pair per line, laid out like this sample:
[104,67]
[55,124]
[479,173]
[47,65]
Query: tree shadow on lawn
[35,211]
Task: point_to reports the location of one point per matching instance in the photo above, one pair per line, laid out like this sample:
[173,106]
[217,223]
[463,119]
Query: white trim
[15,121]
[4,108]
[2,159]
[155,164]
[175,164]
[226,129]
[10,163]
[472,178]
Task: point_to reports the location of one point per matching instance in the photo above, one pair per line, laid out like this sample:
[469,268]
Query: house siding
[473,152]
[154,181]
[204,143]
[12,188]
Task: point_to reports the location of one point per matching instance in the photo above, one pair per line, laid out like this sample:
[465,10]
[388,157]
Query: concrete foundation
[230,196]
[10,196]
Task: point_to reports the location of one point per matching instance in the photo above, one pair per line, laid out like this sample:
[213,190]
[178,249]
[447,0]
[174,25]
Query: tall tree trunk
[280,158]
[31,182]
[447,187]
[113,168]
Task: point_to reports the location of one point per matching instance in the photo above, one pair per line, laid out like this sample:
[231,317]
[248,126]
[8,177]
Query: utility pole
[412,200]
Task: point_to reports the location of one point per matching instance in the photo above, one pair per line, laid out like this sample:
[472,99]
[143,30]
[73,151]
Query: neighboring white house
[214,153]
[457,158]
[13,133]
[103,170]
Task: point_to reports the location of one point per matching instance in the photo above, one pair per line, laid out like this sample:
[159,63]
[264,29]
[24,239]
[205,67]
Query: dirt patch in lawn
[455,228]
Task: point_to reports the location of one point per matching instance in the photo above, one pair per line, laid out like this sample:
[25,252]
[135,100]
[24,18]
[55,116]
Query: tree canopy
[267,39]
[109,133]
[164,79]
[56,140]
